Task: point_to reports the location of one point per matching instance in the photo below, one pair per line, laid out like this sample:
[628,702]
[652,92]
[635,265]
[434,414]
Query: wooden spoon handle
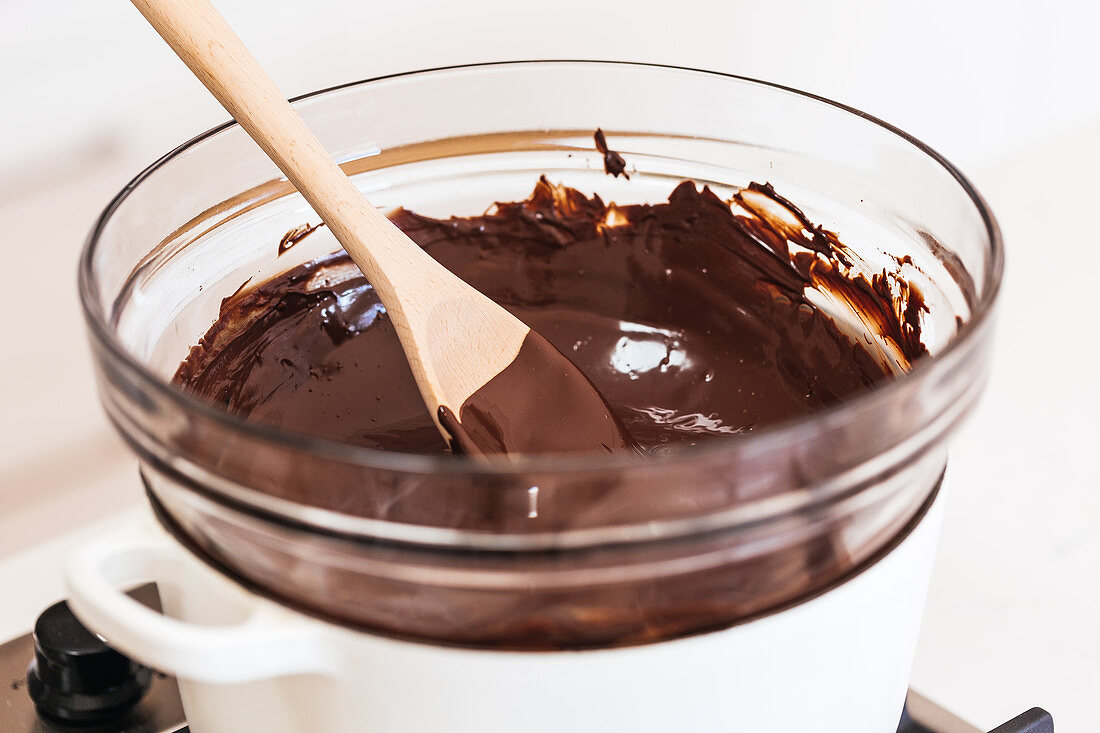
[455,338]
[202,38]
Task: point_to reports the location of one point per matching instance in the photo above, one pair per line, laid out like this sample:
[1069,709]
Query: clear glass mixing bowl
[544,552]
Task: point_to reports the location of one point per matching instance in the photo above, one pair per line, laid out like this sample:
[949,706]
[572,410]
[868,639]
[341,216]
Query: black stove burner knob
[1035,720]
[75,677]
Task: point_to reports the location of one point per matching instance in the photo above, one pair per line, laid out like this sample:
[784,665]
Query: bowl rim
[782,432]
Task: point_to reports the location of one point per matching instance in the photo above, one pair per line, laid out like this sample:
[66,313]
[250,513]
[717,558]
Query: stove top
[64,679]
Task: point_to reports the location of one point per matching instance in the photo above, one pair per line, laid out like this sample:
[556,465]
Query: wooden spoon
[491,383]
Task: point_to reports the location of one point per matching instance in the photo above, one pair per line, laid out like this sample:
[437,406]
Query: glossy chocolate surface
[691,317]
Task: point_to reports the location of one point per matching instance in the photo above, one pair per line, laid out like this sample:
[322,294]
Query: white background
[1010,91]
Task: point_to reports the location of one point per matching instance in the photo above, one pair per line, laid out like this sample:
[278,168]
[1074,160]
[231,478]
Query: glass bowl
[544,552]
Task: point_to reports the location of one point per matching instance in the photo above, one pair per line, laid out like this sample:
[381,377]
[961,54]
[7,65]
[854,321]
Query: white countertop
[1012,615]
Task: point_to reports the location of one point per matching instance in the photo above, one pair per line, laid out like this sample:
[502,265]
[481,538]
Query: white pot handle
[268,642]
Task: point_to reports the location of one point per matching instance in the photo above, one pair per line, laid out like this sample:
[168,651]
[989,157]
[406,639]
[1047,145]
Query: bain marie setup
[713,336]
[785,304]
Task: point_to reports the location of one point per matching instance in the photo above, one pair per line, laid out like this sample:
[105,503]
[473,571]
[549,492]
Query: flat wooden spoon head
[532,405]
[492,385]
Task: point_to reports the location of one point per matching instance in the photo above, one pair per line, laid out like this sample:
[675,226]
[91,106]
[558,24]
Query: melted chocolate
[613,163]
[294,236]
[689,317]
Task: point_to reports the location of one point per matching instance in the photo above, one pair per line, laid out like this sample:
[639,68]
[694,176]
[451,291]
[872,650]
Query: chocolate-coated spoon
[492,384]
